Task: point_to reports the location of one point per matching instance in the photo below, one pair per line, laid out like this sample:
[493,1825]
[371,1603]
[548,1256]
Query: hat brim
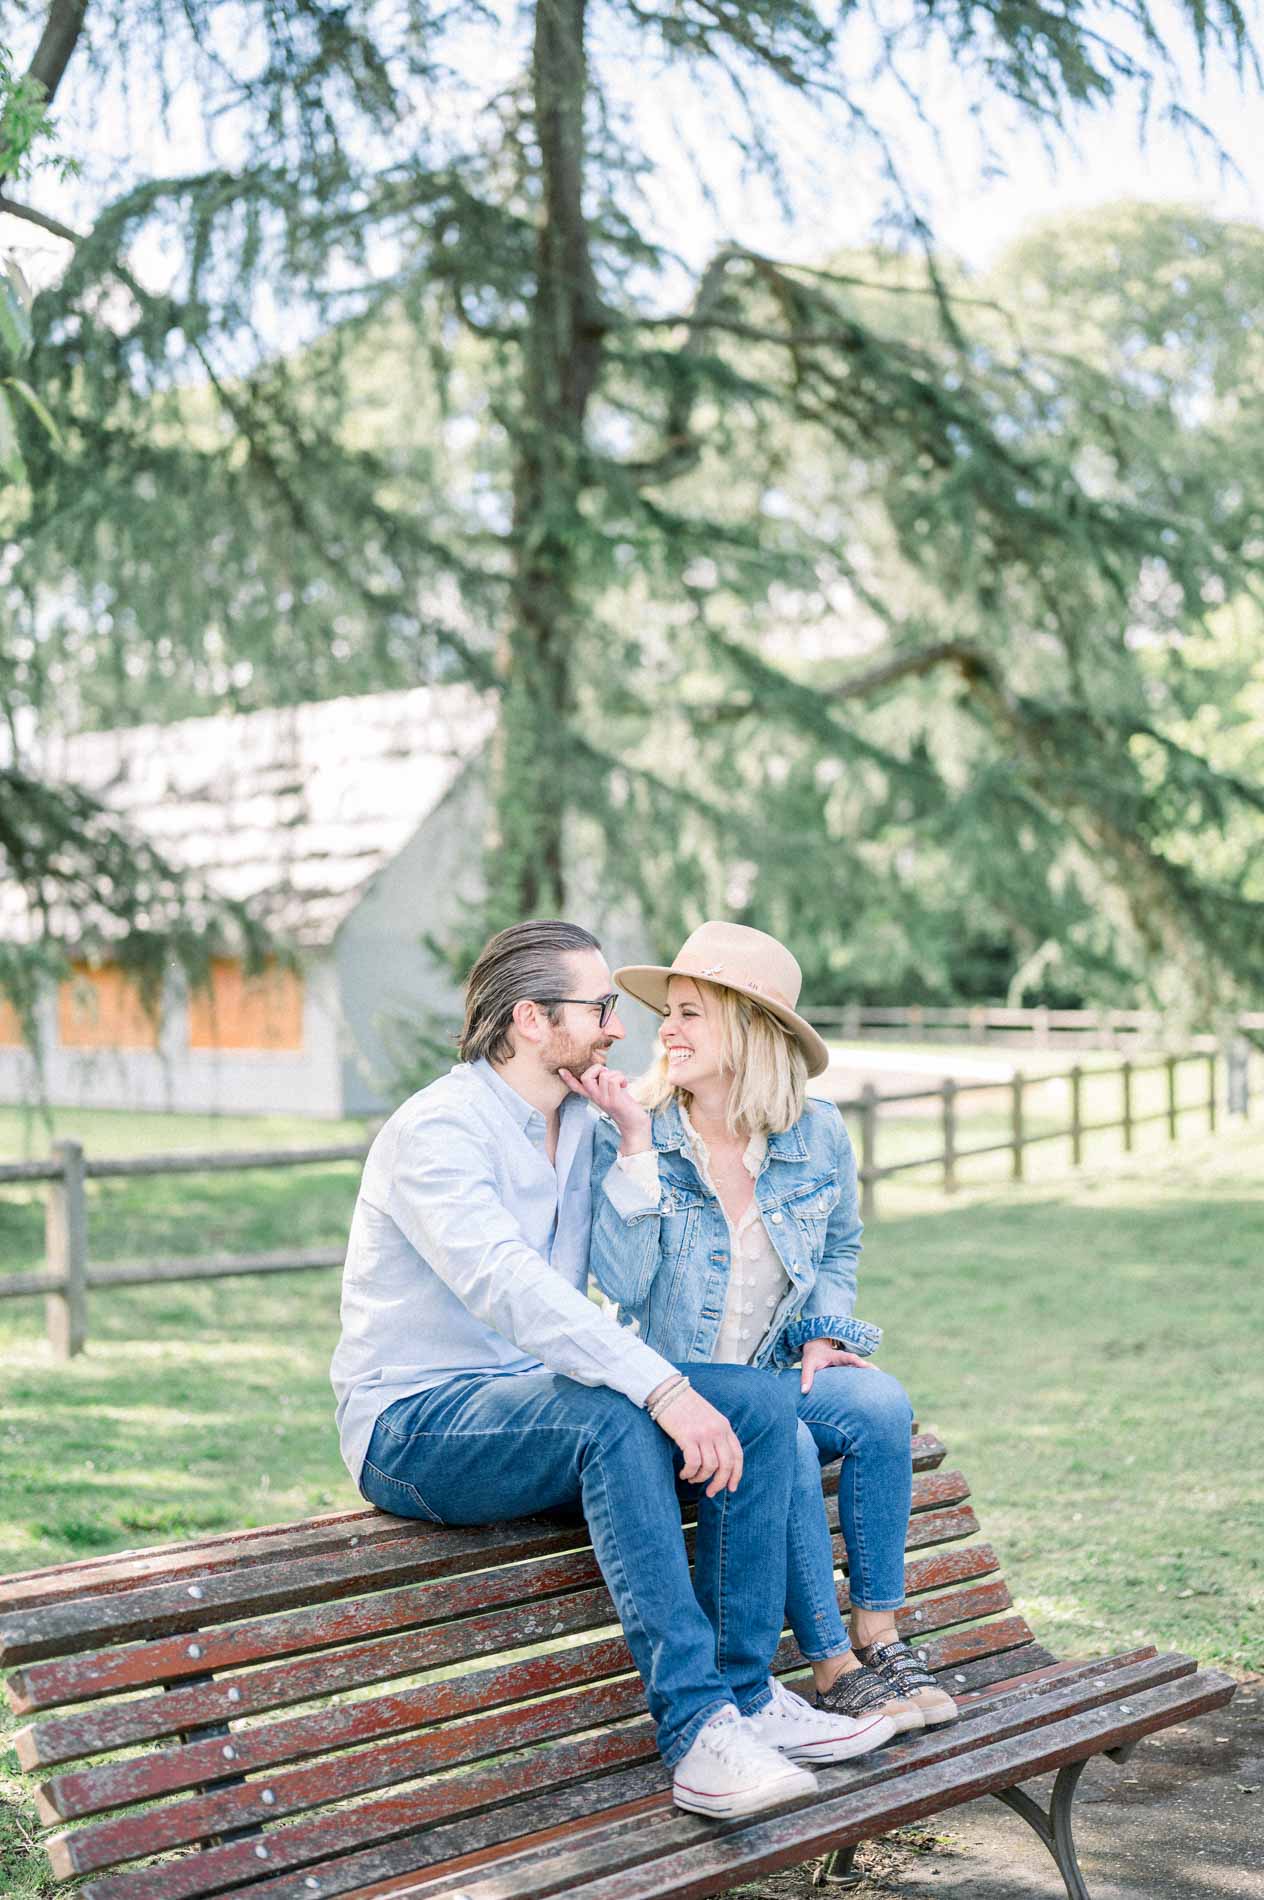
[647,982]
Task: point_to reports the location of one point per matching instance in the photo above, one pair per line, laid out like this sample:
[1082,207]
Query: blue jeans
[864,1418]
[482,1448]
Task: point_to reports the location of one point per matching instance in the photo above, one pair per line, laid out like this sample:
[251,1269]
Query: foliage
[839,598]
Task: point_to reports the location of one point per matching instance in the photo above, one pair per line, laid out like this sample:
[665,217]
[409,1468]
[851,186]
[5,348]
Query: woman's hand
[822,1352]
[711,1446]
[609,1090]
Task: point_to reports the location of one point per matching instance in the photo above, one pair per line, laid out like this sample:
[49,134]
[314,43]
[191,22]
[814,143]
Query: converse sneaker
[907,1676]
[860,1692]
[794,1727]
[728,1770]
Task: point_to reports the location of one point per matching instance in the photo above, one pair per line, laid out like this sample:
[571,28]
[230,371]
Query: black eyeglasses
[606,1004]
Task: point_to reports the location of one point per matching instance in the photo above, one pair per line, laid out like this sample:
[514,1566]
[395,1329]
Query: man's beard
[571,1052]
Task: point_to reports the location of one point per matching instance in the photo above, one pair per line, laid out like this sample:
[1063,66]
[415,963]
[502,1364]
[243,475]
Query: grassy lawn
[1082,1344]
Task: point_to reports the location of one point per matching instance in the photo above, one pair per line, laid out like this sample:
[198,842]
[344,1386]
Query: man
[477,1382]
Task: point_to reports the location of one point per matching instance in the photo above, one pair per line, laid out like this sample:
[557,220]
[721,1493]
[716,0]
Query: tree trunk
[561,364]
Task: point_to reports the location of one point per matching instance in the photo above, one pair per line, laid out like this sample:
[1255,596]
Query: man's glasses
[605,1004]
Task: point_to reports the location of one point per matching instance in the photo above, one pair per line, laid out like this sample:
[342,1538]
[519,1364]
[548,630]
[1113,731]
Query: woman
[725,1226]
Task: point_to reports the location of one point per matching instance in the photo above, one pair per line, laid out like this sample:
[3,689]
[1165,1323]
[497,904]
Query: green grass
[1083,1345]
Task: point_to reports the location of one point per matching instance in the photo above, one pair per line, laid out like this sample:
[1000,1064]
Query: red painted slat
[326,1836]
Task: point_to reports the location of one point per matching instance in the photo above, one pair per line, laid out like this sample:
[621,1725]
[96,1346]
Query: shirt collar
[752,1156]
[671,1130]
[523,1112]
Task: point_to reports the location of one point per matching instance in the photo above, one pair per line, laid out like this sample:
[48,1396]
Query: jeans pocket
[394,1495]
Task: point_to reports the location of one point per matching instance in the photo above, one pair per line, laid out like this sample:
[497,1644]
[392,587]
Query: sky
[698,194]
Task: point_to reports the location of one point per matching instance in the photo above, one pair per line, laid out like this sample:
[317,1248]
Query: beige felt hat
[737,958]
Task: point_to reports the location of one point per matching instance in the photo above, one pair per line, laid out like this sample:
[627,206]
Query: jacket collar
[669,1132]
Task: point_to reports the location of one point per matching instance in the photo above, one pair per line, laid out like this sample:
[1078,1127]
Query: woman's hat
[737,958]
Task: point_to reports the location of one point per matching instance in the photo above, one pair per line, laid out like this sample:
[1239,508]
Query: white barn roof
[294,808]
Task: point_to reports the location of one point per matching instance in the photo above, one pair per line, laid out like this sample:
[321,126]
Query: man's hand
[818,1353]
[708,1441]
[609,1090]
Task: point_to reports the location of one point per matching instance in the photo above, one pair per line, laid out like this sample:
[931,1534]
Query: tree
[604,436]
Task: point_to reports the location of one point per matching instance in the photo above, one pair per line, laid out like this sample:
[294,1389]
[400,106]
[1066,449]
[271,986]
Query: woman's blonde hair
[770,1071]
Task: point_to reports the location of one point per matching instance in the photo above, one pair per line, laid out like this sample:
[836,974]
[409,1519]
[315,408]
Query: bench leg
[1054,1828]
[838,1869]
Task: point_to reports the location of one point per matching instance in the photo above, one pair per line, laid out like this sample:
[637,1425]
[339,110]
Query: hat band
[711,974]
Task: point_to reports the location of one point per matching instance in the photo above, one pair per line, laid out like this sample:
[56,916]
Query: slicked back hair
[523,962]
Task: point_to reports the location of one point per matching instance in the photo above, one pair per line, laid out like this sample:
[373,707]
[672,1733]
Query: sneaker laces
[725,1739]
[855,1692]
[899,1665]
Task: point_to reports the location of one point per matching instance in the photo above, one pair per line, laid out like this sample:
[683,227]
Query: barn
[355,825]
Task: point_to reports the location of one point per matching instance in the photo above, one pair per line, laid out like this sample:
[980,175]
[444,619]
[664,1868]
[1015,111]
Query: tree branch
[28,212]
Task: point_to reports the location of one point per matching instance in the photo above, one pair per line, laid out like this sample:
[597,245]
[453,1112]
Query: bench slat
[430,1551]
[296,1790]
[232,1550]
[314,1840]
[201,1651]
[92,1790]
[95,1731]
[489,1839]
[306,1843]
[688,1860]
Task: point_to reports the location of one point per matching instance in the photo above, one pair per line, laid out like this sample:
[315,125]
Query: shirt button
[776,1220]
[745,1333]
[771,1300]
[749,1307]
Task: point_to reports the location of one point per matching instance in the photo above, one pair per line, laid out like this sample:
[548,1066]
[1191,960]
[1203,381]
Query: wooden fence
[990,1023]
[865,1113]
[68,1275]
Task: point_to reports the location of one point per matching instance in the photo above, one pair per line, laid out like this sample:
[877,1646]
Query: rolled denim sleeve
[828,1310]
[445,1200]
[625,1225]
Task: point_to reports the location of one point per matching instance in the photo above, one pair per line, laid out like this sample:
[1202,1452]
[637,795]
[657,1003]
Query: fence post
[66,1253]
[1238,1075]
[1040,1027]
[868,1151]
[949,1094]
[1125,1079]
[1018,1083]
[1171,1098]
[1077,1116]
[851,1022]
[1211,1093]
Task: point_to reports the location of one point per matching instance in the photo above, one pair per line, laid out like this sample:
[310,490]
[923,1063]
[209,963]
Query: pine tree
[569,484]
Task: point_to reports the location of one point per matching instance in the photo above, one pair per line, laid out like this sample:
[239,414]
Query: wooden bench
[363,1705]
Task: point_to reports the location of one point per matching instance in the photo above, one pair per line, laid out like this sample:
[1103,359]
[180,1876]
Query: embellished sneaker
[861,1692]
[795,1728]
[906,1676]
[729,1770]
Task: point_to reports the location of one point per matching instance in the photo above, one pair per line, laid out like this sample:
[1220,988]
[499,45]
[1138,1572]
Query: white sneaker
[728,1771]
[794,1728]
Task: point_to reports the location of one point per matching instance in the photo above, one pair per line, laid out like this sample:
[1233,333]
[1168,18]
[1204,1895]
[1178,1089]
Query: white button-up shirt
[469,1253]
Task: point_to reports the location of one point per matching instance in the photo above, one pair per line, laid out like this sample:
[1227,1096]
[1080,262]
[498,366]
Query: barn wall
[387,979]
[174,1079]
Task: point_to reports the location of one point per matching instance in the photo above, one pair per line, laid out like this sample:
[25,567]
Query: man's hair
[523,962]
[768,1092]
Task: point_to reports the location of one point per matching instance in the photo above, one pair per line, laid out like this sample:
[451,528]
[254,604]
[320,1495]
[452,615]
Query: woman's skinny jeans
[862,1416]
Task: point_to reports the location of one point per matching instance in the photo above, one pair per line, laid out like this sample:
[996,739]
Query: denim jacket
[667,1263]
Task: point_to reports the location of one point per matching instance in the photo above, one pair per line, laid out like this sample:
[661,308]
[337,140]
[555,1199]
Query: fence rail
[68,1276]
[988,1022]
